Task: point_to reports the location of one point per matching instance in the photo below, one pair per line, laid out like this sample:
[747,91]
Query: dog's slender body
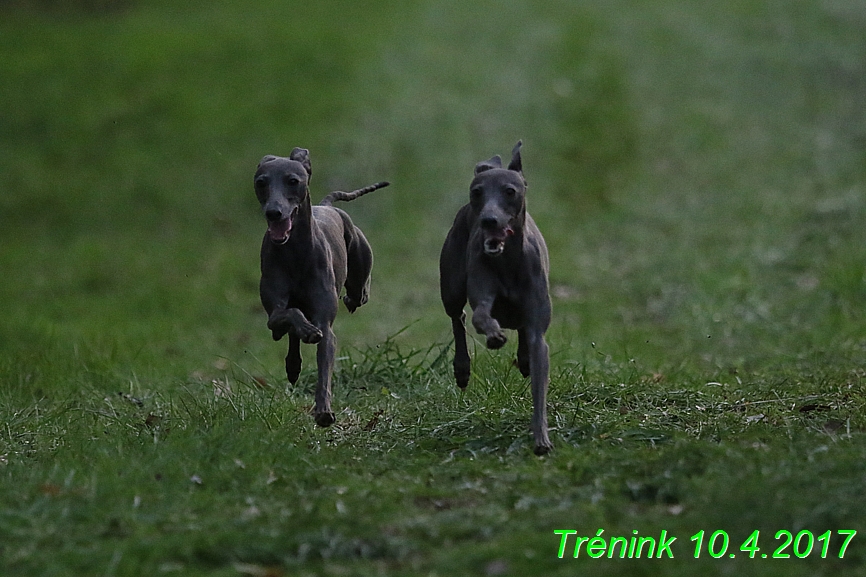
[309,253]
[495,257]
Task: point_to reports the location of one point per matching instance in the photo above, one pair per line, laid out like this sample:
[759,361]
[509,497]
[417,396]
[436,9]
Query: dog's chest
[509,312]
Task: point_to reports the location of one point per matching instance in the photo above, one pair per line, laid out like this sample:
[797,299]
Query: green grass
[699,173]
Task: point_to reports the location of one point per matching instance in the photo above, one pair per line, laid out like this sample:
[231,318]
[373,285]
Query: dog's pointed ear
[516,164]
[302,155]
[495,162]
[266,158]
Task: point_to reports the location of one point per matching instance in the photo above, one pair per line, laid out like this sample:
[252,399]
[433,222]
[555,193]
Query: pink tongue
[280,230]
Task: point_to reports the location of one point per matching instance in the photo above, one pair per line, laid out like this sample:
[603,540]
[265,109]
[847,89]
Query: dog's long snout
[273,214]
[489,221]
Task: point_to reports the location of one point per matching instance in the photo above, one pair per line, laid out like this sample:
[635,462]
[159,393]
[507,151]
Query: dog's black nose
[273,215]
[489,222]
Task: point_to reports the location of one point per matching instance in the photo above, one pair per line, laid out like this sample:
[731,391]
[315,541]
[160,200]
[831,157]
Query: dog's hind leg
[359,264]
[522,353]
[293,359]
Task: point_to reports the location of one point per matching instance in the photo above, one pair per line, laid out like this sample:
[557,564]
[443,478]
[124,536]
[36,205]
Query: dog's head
[282,187]
[498,198]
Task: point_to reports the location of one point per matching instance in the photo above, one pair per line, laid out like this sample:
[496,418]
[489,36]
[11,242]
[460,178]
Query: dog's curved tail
[347,196]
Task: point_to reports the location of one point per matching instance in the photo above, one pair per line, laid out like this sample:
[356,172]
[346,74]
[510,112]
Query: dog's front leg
[325,353]
[481,290]
[293,359]
[485,324]
[292,321]
[462,364]
[539,369]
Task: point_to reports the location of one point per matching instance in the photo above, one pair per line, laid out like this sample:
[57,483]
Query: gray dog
[309,254]
[495,256]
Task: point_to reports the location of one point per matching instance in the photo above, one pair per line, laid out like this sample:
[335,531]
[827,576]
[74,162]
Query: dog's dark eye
[510,191]
[261,181]
[475,192]
[293,181]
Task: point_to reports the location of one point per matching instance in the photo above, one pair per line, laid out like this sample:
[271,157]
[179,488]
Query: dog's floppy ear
[516,164]
[495,162]
[266,158]
[302,155]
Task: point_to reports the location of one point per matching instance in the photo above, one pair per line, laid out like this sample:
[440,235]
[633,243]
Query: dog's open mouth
[494,240]
[280,230]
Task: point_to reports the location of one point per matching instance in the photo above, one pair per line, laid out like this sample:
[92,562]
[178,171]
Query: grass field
[698,170]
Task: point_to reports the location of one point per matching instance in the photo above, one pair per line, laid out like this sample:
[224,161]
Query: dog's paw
[522,365]
[462,372]
[278,325]
[353,302]
[462,378]
[293,373]
[496,340]
[277,334]
[325,418]
[350,303]
[309,334]
[542,444]
[543,449]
